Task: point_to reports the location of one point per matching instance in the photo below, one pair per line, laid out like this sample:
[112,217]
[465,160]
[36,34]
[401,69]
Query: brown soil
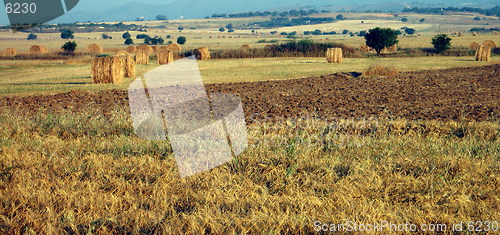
[456,94]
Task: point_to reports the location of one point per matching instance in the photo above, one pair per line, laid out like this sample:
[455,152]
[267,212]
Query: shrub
[404,19]
[181,40]
[422,20]
[441,42]
[32,36]
[69,47]
[105,36]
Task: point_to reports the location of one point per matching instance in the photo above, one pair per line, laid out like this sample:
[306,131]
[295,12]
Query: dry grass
[202,53]
[38,49]
[334,55]
[95,48]
[381,70]
[87,173]
[109,69]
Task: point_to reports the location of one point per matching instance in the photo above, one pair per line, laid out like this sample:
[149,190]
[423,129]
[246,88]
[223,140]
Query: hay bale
[148,48]
[10,52]
[202,53]
[109,69]
[142,57]
[495,33]
[474,34]
[37,49]
[334,55]
[245,47]
[474,46]
[483,53]
[165,57]
[379,70]
[393,48]
[129,64]
[95,48]
[163,48]
[364,48]
[131,49]
[490,44]
[174,47]
[155,49]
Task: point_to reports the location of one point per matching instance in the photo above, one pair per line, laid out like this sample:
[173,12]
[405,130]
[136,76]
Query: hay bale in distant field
[474,34]
[155,49]
[95,48]
[202,53]
[460,34]
[10,51]
[495,33]
[131,49]
[37,49]
[483,53]
[129,64]
[474,46]
[245,47]
[108,69]
[379,70]
[148,48]
[174,47]
[490,44]
[364,48]
[165,57]
[142,56]
[393,48]
[334,55]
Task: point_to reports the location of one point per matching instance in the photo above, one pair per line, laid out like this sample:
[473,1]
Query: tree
[380,38]
[441,42]
[229,26]
[168,36]
[180,28]
[142,36]
[126,35]
[161,17]
[181,40]
[230,31]
[105,36]
[69,47]
[410,31]
[345,31]
[340,17]
[129,41]
[32,36]
[221,29]
[362,33]
[67,34]
[404,19]
[477,18]
[422,20]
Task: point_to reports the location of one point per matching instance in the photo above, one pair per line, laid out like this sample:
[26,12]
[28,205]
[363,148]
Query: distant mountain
[123,10]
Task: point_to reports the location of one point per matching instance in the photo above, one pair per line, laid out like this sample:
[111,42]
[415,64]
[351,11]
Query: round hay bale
[483,53]
[37,49]
[147,48]
[174,47]
[495,33]
[131,49]
[334,55]
[124,53]
[155,49]
[129,64]
[474,46]
[489,43]
[95,48]
[165,57]
[393,48]
[202,53]
[108,69]
[142,56]
[474,34]
[11,51]
[246,47]
[364,48]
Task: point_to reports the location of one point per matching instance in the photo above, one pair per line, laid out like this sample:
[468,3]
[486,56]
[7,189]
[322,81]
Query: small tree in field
[380,38]
[181,40]
[129,41]
[221,29]
[441,42]
[69,47]
[32,36]
[126,35]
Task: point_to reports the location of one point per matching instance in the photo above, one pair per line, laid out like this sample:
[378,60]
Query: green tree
[441,42]
[181,40]
[410,31]
[126,35]
[105,36]
[222,29]
[67,34]
[69,47]
[129,41]
[231,31]
[161,17]
[380,38]
[32,36]
[404,19]
[422,20]
[229,26]
[340,17]
[180,28]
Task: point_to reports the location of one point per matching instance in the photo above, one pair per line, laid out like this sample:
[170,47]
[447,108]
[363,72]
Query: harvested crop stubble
[108,69]
[380,70]
[483,53]
[474,45]
[10,52]
[202,53]
[148,48]
[165,57]
[142,57]
[129,64]
[95,48]
[131,49]
[334,55]
[37,49]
